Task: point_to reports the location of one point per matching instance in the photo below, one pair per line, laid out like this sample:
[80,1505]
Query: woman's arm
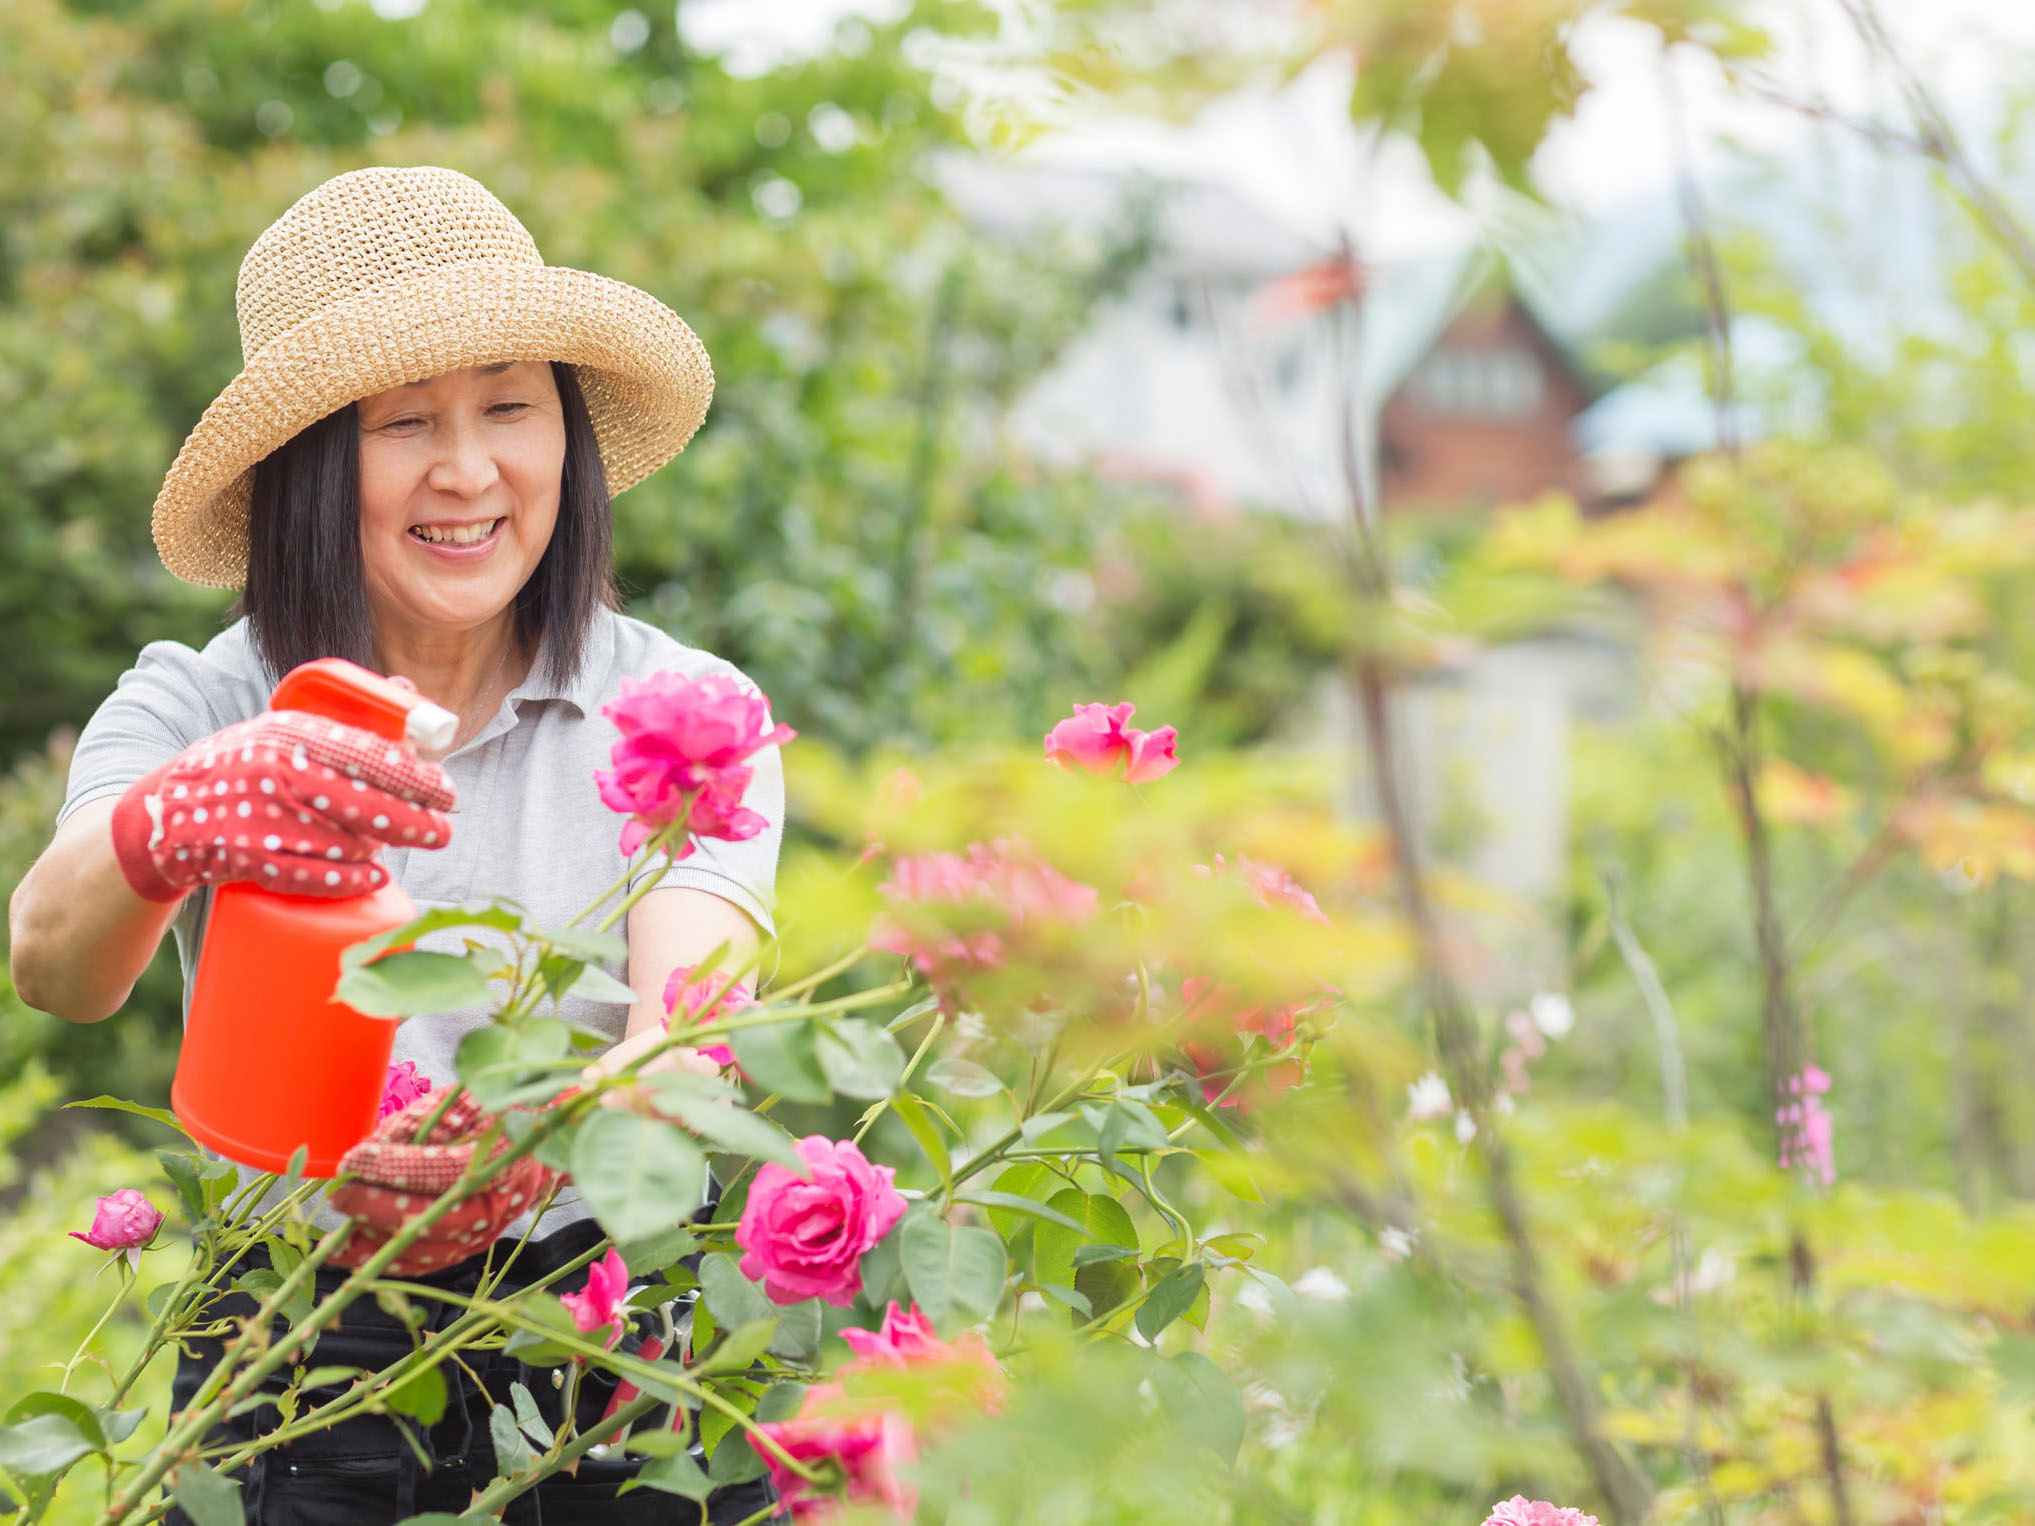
[670,927]
[680,925]
[78,935]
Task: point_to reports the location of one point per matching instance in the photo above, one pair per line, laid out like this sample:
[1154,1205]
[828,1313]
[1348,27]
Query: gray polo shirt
[528,824]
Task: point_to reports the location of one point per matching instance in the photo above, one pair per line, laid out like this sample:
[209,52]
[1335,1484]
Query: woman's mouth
[475,533]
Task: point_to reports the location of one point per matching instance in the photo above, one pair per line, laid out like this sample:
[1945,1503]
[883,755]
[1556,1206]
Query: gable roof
[1412,310]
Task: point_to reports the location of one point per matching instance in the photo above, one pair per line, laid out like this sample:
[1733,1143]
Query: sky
[1293,158]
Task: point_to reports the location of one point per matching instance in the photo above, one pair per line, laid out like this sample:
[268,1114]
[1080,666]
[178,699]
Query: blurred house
[1488,413]
[1456,391]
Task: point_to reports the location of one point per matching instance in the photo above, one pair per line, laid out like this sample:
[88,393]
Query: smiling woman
[481,507]
[412,471]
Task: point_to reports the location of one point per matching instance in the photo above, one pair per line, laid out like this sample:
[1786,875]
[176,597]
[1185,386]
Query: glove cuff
[137,828]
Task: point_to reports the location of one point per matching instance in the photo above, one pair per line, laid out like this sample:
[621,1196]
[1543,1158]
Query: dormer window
[1500,383]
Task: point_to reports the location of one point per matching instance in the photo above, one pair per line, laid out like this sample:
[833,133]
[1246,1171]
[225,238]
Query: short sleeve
[159,707]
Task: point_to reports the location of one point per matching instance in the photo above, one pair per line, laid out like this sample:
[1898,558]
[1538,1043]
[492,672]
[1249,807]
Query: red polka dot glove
[287,800]
[396,1178]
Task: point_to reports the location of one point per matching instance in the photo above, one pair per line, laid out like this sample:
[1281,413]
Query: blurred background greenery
[857,527]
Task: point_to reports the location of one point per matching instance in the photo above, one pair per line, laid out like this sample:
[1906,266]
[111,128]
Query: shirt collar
[597,660]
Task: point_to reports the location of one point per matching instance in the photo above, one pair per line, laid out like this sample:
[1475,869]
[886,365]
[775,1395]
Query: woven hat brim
[646,377]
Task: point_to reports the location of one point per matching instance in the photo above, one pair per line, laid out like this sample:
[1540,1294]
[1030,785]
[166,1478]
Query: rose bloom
[682,751]
[1217,1062]
[871,1444]
[123,1220]
[1004,887]
[603,1300]
[806,1237]
[906,1340]
[705,999]
[1098,740]
[1521,1511]
[1272,886]
[400,1087]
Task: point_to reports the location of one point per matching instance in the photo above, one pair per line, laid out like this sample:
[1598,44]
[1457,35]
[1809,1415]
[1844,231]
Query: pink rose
[682,752]
[705,999]
[123,1220]
[907,1340]
[1272,886]
[602,1301]
[1217,1062]
[1096,739]
[951,913]
[870,1444]
[1521,1511]
[400,1087]
[806,1237]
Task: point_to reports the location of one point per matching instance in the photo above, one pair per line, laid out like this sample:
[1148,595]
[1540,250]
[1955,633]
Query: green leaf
[528,1420]
[1013,1202]
[408,983]
[956,1274]
[503,1064]
[655,1252]
[780,1058]
[501,914]
[532,1346]
[1077,1301]
[1201,1396]
[1173,1297]
[920,1123]
[964,1078]
[118,1424]
[639,1176]
[859,1059]
[586,944]
[726,1125]
[1126,1123]
[512,1452]
[121,1105]
[181,1168]
[208,1496]
[1039,1125]
[735,1462]
[798,1332]
[420,1396]
[782,1401]
[1053,1246]
[656,1443]
[43,1444]
[676,1473]
[596,984]
[732,1298]
[79,1413]
[1091,1255]
[740,1347]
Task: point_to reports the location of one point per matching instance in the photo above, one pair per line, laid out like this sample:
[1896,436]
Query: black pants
[362,1472]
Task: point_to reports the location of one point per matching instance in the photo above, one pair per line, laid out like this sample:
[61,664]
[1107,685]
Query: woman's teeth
[455,535]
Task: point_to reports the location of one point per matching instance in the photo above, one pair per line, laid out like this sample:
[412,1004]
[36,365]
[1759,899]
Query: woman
[411,471]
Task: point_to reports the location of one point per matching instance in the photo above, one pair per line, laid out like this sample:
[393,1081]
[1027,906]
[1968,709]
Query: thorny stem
[212,1403]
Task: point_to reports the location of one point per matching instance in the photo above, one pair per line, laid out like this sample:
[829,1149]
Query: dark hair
[306,594]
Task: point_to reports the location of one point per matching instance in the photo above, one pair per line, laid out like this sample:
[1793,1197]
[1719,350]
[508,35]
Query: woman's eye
[508,409]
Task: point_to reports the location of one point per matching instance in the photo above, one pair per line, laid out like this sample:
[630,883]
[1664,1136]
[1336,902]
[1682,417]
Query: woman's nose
[464,465]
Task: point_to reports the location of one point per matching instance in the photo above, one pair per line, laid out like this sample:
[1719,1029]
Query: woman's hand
[635,1097]
[287,800]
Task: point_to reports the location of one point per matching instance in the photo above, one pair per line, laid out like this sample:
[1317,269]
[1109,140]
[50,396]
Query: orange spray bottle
[270,1061]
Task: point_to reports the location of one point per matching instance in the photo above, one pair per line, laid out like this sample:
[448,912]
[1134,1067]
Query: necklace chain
[464,736]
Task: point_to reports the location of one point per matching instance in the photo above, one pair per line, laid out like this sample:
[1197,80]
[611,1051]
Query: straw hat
[380,277]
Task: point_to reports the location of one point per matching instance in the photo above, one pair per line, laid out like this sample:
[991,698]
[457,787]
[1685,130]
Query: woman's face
[459,484]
